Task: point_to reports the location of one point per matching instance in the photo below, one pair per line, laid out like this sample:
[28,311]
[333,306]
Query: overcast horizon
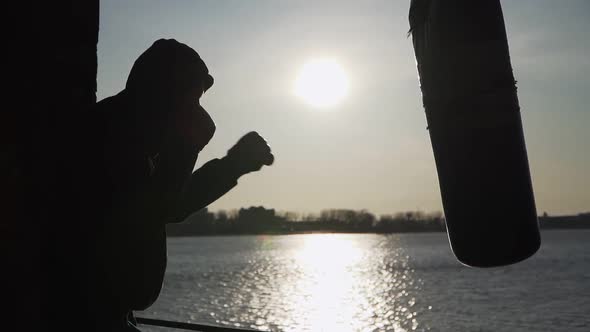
[370,150]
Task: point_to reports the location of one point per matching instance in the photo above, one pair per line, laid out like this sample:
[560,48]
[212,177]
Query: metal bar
[188,326]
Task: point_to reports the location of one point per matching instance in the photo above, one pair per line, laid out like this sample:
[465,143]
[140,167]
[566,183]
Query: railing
[189,326]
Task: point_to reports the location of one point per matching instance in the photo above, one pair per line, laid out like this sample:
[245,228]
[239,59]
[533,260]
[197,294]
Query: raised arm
[206,185]
[218,176]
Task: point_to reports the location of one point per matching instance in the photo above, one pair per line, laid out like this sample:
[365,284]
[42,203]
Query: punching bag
[473,116]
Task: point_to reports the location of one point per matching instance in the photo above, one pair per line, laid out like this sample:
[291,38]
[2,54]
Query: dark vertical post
[44,227]
[69,58]
[473,116]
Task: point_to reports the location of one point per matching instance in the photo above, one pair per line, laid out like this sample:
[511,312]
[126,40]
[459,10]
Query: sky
[371,150]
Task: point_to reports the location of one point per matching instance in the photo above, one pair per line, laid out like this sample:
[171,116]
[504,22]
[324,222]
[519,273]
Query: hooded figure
[150,135]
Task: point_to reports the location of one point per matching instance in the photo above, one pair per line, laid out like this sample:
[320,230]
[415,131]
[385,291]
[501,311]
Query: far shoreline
[543,230]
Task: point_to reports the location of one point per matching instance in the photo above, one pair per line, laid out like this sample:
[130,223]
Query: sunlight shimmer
[321,83]
[327,263]
[332,285]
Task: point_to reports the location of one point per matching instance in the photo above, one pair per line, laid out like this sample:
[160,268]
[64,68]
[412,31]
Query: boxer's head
[169,70]
[162,92]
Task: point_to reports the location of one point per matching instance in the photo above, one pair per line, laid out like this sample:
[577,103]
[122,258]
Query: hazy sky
[372,150]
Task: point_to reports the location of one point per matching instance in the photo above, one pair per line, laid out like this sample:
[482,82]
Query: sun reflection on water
[336,290]
[311,282]
[327,266]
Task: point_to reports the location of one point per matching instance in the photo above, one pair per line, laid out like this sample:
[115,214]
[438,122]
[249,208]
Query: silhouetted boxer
[150,135]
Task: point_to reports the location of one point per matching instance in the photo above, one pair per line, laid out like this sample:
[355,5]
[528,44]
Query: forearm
[207,184]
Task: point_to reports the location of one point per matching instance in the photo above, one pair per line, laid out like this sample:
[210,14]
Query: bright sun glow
[322,83]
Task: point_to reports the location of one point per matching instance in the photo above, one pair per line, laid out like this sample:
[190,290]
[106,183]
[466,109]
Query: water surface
[369,282]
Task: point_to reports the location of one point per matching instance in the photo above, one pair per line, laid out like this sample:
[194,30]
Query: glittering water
[366,282]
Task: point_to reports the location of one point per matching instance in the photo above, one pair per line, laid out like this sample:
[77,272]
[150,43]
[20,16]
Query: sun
[322,83]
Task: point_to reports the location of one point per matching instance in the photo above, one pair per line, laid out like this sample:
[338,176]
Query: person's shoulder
[111,103]
[110,111]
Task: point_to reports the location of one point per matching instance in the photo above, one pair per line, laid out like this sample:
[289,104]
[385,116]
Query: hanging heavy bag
[473,116]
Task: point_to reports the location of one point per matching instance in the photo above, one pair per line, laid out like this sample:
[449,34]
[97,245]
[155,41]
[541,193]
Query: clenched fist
[249,154]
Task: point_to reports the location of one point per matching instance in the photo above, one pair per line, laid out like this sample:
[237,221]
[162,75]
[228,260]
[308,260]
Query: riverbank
[281,227]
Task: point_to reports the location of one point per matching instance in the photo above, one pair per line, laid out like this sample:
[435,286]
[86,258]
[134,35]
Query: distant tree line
[578,221]
[260,220]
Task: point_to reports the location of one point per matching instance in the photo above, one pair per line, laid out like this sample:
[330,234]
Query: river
[370,282]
